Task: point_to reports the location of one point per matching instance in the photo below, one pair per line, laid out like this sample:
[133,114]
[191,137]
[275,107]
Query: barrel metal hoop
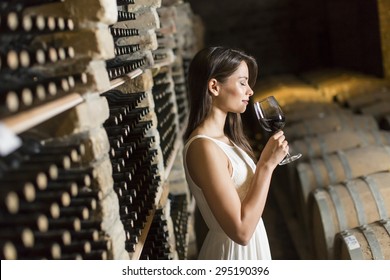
[369,121]
[345,164]
[309,146]
[387,148]
[330,170]
[386,225]
[353,245]
[329,229]
[363,136]
[380,204]
[351,187]
[387,136]
[372,242]
[378,137]
[339,208]
[323,146]
[317,173]
[344,121]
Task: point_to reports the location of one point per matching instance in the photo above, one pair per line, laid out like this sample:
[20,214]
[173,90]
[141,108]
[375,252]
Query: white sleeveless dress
[217,245]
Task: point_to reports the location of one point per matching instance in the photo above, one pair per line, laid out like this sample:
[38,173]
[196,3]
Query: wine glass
[271,118]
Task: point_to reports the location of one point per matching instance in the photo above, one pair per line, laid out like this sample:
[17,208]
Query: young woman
[230,189]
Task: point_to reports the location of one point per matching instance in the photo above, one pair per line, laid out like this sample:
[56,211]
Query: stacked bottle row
[157,245]
[179,216]
[166,111]
[40,56]
[180,208]
[188,38]
[133,154]
[50,204]
[173,37]
[51,49]
[134,37]
[181,95]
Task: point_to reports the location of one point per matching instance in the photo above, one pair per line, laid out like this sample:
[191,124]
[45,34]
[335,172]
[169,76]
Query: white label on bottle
[9,141]
[352,242]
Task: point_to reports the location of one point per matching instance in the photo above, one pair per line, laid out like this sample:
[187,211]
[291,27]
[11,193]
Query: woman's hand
[274,151]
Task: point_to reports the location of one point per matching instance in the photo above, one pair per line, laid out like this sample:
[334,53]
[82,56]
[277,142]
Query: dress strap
[223,146]
[189,141]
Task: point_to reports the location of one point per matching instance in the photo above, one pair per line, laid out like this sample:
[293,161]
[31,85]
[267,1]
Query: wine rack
[82,88]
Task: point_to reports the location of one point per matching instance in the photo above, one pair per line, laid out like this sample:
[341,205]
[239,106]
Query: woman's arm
[209,169]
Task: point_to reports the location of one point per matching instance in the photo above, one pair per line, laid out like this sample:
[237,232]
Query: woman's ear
[213,87]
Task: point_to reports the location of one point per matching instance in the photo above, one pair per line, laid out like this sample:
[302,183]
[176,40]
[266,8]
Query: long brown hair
[218,63]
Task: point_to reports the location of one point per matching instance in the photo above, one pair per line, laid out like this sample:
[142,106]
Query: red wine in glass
[271,119]
[272,124]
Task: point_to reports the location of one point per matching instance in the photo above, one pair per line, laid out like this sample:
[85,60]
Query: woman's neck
[213,125]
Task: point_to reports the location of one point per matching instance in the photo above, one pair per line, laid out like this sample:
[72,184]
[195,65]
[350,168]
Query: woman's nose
[250,92]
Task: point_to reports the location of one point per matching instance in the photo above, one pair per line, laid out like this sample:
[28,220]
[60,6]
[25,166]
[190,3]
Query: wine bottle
[50,209]
[41,251]
[81,212]
[89,202]
[96,255]
[81,179]
[123,16]
[103,244]
[70,223]
[85,193]
[50,170]
[71,256]
[123,32]
[39,179]
[61,197]
[82,247]
[91,224]
[62,161]
[117,130]
[133,233]
[129,49]
[69,187]
[8,251]
[18,235]
[34,221]
[85,234]
[124,2]
[10,103]
[10,202]
[61,237]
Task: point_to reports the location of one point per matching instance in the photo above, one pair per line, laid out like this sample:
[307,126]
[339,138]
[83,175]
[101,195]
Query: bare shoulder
[203,149]
[204,158]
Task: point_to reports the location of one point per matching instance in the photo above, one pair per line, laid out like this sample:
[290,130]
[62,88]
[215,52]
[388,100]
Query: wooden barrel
[364,85]
[339,167]
[328,124]
[366,242]
[377,110]
[334,169]
[316,146]
[299,112]
[366,99]
[342,206]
